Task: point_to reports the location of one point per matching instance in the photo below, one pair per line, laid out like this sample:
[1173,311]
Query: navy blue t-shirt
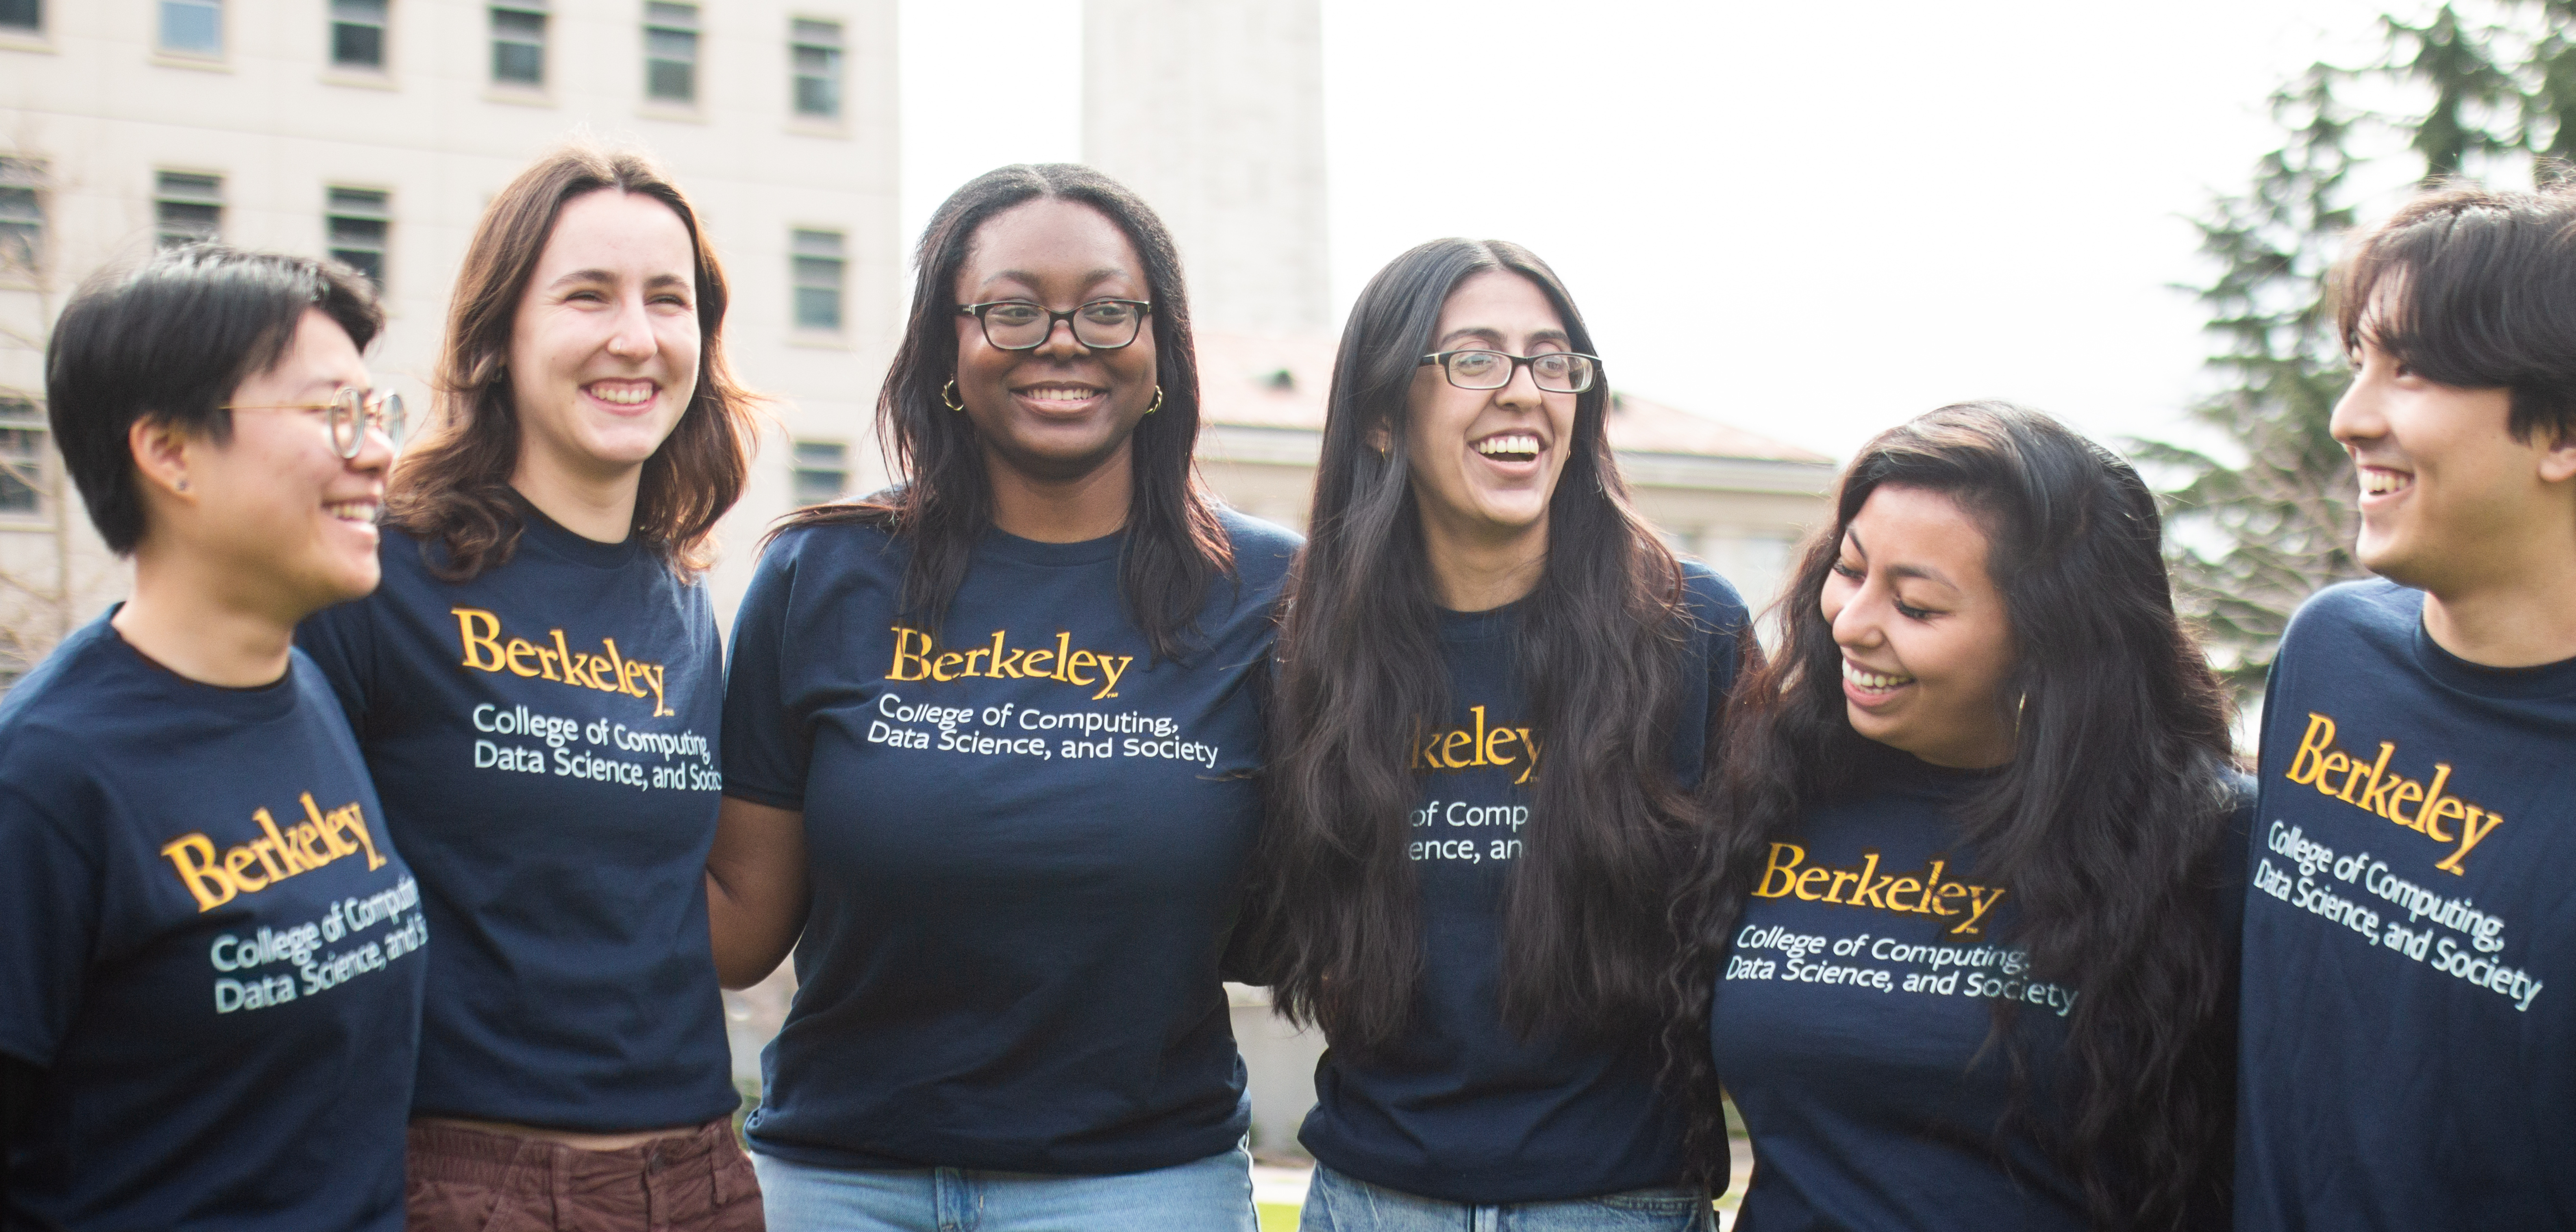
[1851,1024]
[209,946]
[1462,1108]
[545,738]
[1025,841]
[2409,1049]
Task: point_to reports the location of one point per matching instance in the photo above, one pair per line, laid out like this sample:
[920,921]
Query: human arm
[756,889]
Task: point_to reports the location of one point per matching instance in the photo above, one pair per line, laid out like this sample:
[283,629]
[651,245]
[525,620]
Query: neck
[1479,569]
[2520,618]
[599,506]
[1071,509]
[193,615]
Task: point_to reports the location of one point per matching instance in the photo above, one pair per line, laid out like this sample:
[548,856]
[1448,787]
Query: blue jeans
[1211,1195]
[1338,1203]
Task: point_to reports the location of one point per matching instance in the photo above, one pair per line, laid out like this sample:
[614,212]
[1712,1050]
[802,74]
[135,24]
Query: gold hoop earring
[948,394]
[1157,403]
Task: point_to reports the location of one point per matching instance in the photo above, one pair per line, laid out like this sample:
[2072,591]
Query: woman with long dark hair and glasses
[537,686]
[1970,912]
[990,742]
[1493,695]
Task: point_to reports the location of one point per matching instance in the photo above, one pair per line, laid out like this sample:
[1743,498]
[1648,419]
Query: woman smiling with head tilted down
[1493,693]
[1971,913]
[990,740]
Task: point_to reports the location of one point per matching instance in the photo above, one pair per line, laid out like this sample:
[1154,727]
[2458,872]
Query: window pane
[818,308]
[192,25]
[22,14]
[22,456]
[188,207]
[518,44]
[357,46]
[671,81]
[821,473]
[356,222]
[22,218]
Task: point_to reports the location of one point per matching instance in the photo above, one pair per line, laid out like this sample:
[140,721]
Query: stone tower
[1213,111]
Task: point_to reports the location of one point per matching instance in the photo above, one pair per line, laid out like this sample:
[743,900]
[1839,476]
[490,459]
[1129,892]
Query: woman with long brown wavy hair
[1964,946]
[537,686]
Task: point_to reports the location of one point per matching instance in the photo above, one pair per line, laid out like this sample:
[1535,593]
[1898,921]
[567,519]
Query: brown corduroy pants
[464,1180]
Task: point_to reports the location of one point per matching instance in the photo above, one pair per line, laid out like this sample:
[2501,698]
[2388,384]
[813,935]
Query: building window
[188,208]
[22,457]
[193,27]
[358,220]
[817,265]
[519,43]
[822,472]
[27,15]
[358,33]
[671,52]
[22,215]
[814,53]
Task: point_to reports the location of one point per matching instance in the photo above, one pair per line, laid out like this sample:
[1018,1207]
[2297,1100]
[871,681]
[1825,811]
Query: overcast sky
[1811,221]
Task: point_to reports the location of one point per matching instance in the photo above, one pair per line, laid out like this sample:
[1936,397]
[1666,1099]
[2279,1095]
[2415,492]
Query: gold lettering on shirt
[918,657]
[1787,874]
[2368,785]
[279,853]
[479,637]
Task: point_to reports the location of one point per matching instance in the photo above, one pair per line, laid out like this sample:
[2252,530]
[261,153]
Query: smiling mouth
[1509,447]
[2381,481]
[363,511]
[1058,397]
[621,393]
[1875,684]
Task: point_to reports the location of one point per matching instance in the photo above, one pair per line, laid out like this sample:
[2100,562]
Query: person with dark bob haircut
[538,689]
[991,746]
[210,967]
[1970,917]
[2410,939]
[1495,688]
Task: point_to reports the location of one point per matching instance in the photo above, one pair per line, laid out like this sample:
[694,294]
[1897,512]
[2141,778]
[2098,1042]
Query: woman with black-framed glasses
[1493,699]
[990,739]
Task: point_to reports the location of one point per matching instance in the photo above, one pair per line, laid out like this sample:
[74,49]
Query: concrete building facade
[376,130]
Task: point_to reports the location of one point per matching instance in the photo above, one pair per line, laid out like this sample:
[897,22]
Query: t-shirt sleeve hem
[791,801]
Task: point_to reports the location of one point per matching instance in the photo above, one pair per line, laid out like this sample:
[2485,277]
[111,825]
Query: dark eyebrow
[656,282]
[1925,572]
[1495,336]
[1103,274]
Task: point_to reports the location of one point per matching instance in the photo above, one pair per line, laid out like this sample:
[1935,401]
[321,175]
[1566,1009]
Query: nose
[632,336]
[375,451]
[1522,391]
[2359,415]
[1852,616]
[1060,342]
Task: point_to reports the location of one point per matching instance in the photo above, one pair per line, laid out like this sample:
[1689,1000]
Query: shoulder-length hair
[452,486]
[2109,824]
[1175,545]
[1335,922]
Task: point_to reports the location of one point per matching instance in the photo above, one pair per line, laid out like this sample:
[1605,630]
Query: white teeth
[2377,482]
[1873,681]
[1058,393]
[622,396]
[1515,443]
[352,511]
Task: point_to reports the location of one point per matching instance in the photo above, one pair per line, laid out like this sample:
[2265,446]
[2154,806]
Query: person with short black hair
[210,978]
[2409,1034]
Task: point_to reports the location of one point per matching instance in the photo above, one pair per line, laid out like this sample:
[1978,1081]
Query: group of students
[377,863]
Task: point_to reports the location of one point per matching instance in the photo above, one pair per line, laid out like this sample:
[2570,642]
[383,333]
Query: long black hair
[2109,825]
[1334,920]
[1175,545]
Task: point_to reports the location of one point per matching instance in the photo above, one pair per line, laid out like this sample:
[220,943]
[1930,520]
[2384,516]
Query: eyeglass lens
[354,410]
[1102,324]
[1557,373]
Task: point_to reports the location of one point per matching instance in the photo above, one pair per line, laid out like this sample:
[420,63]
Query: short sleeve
[49,902]
[340,640]
[766,745]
